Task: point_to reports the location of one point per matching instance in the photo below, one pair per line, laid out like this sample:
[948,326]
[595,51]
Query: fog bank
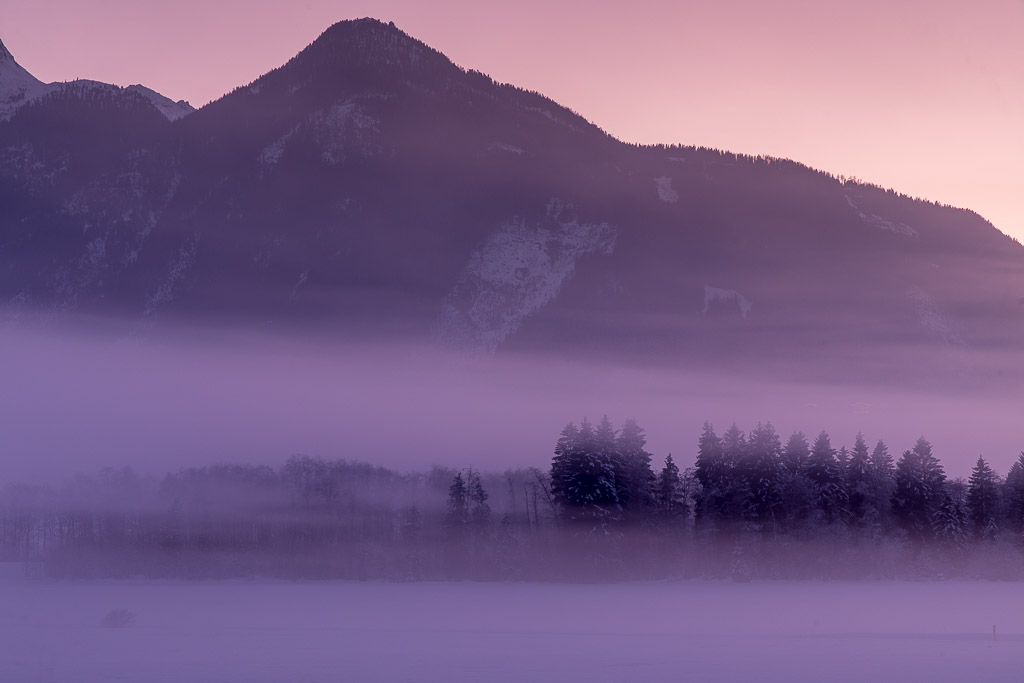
[76,400]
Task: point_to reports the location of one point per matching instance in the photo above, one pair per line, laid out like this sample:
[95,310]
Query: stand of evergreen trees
[756,484]
[751,506]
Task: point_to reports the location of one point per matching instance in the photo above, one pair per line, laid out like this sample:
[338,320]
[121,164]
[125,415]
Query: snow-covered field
[692,631]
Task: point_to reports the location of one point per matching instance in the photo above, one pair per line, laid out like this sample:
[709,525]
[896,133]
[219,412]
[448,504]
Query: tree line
[753,483]
[749,505]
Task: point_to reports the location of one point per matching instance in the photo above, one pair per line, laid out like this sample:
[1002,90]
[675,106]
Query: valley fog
[76,399]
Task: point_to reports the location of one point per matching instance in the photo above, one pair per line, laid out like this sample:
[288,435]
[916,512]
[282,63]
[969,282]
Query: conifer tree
[583,482]
[843,459]
[637,480]
[822,469]
[604,436]
[951,522]
[934,472]
[983,500]
[713,473]
[734,457]
[1015,495]
[669,491]
[859,480]
[710,466]
[479,510]
[796,489]
[562,465]
[919,491]
[734,446]
[881,460]
[761,475]
[883,480]
[796,452]
[458,503]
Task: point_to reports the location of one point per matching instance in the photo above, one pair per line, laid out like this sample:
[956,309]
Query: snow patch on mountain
[881,222]
[70,283]
[17,86]
[714,295]
[665,191]
[303,278]
[22,161]
[344,129]
[341,131]
[177,270]
[505,147]
[931,318]
[546,113]
[520,268]
[169,108]
[272,153]
[152,219]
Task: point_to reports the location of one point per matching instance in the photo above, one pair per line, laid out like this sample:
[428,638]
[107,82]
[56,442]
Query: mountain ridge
[371,186]
[19,87]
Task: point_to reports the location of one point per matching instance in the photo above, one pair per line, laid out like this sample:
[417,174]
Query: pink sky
[923,96]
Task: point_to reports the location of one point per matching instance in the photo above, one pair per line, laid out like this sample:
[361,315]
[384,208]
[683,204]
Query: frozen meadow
[309,632]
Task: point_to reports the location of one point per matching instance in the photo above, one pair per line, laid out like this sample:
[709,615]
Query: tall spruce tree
[669,493]
[919,491]
[798,496]
[859,482]
[822,469]
[883,480]
[760,472]
[843,458]
[734,446]
[983,500]
[458,504]
[950,524]
[638,480]
[796,452]
[1014,488]
[479,510]
[713,473]
[563,465]
[881,461]
[606,449]
[733,490]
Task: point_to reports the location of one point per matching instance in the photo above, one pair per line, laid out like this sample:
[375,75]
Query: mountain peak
[17,85]
[370,41]
[366,25]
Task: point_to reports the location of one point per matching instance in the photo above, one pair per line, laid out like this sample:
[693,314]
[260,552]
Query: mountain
[372,187]
[165,105]
[18,87]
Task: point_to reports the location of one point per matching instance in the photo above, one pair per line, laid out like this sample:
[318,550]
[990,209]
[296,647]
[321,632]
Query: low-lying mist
[77,399]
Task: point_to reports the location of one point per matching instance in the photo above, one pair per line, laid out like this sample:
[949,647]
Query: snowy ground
[694,631]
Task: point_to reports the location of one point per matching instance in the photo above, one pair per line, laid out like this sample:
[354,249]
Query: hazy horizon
[82,397]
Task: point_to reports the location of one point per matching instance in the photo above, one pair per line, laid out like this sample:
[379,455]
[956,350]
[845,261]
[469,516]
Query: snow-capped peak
[17,86]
